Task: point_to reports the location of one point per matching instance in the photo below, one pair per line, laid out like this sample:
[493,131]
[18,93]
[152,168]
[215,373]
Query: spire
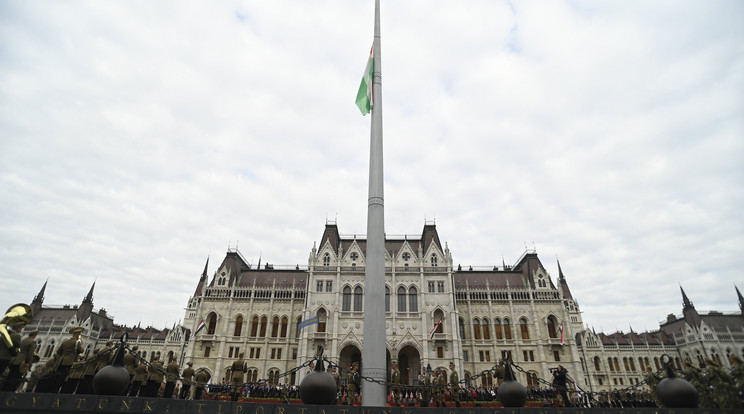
[562,281]
[40,296]
[204,273]
[741,300]
[686,303]
[561,278]
[89,296]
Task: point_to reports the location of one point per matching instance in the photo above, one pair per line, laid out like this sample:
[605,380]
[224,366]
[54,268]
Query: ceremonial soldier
[104,355]
[424,382]
[200,381]
[454,380]
[89,371]
[47,377]
[337,379]
[139,379]
[20,364]
[131,363]
[68,352]
[441,387]
[395,383]
[236,379]
[172,371]
[74,378]
[285,391]
[154,378]
[352,384]
[9,351]
[186,379]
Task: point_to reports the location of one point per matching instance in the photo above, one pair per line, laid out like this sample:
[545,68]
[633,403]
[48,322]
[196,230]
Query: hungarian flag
[561,329]
[199,327]
[308,322]
[431,334]
[364,98]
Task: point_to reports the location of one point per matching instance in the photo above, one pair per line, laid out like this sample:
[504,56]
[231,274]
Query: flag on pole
[199,327]
[308,322]
[561,329]
[364,98]
[431,334]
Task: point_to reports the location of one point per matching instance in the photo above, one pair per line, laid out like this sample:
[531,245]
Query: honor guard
[68,352]
[186,379]
[424,382]
[236,378]
[395,383]
[454,380]
[171,371]
[21,362]
[352,384]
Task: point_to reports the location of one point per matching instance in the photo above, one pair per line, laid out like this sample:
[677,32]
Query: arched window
[462,328]
[597,363]
[346,306]
[476,329]
[238,326]
[285,322]
[297,326]
[321,320]
[264,323]
[617,364]
[656,362]
[552,327]
[439,316]
[49,350]
[625,363]
[401,299]
[609,363]
[507,329]
[412,299]
[497,329]
[433,260]
[358,294]
[486,329]
[275,327]
[524,328]
[211,324]
[254,326]
[387,299]
[632,364]
[326,259]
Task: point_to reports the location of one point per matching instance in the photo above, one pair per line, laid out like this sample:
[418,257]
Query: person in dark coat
[559,383]
[69,351]
[24,359]
[186,380]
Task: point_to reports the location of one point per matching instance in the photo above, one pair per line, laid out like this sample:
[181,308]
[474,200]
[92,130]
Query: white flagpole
[373,354]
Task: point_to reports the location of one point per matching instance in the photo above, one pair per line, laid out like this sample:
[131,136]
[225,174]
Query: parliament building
[436,313]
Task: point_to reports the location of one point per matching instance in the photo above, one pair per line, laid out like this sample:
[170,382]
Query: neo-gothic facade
[486,314]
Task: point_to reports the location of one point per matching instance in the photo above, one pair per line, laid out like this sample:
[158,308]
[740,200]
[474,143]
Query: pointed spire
[204,273]
[561,278]
[89,296]
[686,303]
[40,296]
[741,300]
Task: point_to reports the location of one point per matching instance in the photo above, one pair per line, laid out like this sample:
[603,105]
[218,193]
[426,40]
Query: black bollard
[675,392]
[318,387]
[113,379]
[511,393]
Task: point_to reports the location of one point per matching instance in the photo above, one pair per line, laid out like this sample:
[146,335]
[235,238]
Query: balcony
[440,337]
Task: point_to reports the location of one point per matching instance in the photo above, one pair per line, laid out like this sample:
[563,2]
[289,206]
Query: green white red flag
[365,98]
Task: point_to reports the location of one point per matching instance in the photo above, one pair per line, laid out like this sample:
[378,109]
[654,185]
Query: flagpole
[373,354]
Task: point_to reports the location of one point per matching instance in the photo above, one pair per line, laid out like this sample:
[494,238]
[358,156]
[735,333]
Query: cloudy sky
[137,138]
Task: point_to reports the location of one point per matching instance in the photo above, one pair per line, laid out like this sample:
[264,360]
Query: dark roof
[488,279]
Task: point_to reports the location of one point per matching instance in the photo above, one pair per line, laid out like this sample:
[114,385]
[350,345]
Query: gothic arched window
[401,299]
[358,294]
[412,299]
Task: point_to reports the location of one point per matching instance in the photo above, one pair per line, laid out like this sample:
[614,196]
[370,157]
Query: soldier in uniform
[454,380]
[74,378]
[186,379]
[131,363]
[395,383]
[8,353]
[285,391]
[104,355]
[200,381]
[441,386]
[89,371]
[47,377]
[172,371]
[352,384]
[68,352]
[154,378]
[424,382]
[337,379]
[236,379]
[139,379]
[20,362]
